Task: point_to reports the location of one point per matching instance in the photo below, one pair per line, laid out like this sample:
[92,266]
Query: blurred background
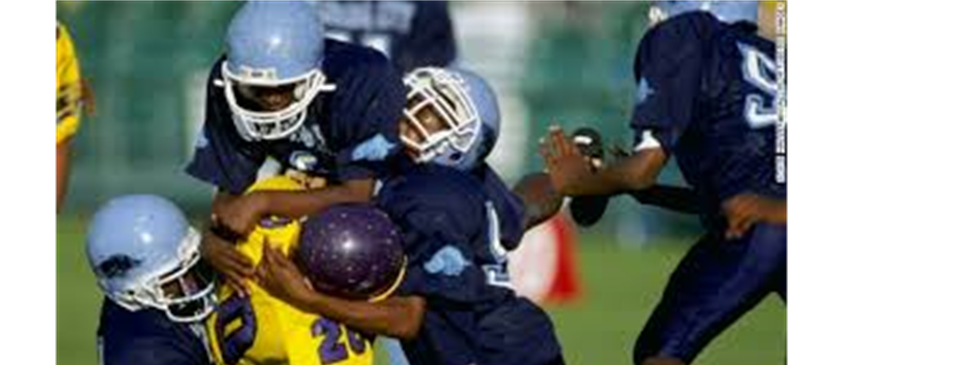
[565,63]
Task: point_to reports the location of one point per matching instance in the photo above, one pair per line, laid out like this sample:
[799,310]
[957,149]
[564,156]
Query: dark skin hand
[233,266]
[398,317]
[572,174]
[234,217]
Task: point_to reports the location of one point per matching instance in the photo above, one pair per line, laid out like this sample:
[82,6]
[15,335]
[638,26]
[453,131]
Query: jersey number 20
[235,344]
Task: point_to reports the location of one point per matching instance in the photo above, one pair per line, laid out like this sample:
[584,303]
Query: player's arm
[239,214]
[676,198]
[70,95]
[63,170]
[397,316]
[540,200]
[572,174]
[667,69]
[303,203]
[234,216]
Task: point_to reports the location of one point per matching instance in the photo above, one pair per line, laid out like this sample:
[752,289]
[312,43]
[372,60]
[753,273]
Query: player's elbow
[640,170]
[408,326]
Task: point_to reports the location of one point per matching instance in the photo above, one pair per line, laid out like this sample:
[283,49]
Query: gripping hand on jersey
[233,266]
[280,277]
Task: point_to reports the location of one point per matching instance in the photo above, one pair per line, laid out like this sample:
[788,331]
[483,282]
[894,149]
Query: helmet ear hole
[456,156]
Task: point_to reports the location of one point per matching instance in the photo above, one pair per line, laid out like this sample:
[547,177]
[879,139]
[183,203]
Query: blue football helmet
[466,109]
[273,46]
[145,254]
[726,11]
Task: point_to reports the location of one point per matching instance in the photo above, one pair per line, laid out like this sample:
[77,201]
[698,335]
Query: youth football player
[70,97]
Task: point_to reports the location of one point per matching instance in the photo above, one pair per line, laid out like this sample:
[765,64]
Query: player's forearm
[398,317]
[674,198]
[63,171]
[636,172]
[541,201]
[304,203]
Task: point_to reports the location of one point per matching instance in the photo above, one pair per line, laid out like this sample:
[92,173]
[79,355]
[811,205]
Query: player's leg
[780,283]
[782,292]
[714,284]
[517,331]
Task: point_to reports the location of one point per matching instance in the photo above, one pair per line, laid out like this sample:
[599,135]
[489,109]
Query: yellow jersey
[259,329]
[69,90]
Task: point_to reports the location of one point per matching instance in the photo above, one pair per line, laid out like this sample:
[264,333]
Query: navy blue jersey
[706,93]
[509,206]
[148,337]
[350,133]
[451,235]
[412,33]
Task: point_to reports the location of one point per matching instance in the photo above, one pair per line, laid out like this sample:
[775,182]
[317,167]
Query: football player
[257,328]
[317,106]
[705,95]
[71,93]
[146,259]
[455,305]
[452,118]
[412,34]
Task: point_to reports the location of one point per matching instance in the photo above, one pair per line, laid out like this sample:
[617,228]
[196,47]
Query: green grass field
[620,289]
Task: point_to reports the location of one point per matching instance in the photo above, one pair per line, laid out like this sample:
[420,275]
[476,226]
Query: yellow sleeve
[68,86]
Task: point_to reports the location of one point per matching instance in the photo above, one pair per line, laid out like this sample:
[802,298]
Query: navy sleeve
[365,112]
[221,157]
[667,69]
[431,40]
